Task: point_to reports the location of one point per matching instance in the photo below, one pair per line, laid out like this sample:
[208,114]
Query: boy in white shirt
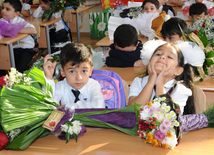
[77,89]
[24,52]
[26,8]
[58,33]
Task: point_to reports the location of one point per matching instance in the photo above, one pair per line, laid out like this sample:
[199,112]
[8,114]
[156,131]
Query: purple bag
[112,88]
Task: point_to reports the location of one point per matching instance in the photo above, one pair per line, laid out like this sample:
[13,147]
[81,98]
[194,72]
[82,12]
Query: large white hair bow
[191,51]
[148,49]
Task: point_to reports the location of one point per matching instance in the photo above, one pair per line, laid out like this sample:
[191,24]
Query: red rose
[196,31]
[203,25]
[52,123]
[3,140]
[2,82]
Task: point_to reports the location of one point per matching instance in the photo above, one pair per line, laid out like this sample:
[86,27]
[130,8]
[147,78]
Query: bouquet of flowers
[159,122]
[202,32]
[58,5]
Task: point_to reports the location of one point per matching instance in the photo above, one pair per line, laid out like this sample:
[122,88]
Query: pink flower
[163,128]
[167,123]
[151,110]
[159,135]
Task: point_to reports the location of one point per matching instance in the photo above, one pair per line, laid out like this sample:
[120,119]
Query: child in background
[26,8]
[24,52]
[125,51]
[164,7]
[197,11]
[166,72]
[77,88]
[57,34]
[208,4]
[171,31]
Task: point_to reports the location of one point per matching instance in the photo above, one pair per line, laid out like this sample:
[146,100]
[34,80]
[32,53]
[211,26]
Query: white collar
[169,84]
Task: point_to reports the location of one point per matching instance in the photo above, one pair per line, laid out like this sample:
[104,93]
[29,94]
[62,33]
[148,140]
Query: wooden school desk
[72,23]
[96,141]
[44,39]
[105,42]
[7,44]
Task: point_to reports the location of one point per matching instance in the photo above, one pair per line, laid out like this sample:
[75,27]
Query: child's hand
[49,67]
[165,75]
[152,73]
[106,53]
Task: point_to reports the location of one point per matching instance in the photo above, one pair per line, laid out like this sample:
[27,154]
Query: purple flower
[166,123]
[163,128]
[159,135]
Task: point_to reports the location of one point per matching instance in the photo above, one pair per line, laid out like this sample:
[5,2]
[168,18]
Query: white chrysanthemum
[163,106]
[167,109]
[176,123]
[77,129]
[145,114]
[91,22]
[156,104]
[101,26]
[106,33]
[76,123]
[173,114]
[171,141]
[168,116]
[64,128]
[163,98]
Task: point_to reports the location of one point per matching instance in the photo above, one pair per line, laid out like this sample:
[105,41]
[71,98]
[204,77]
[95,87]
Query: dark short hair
[171,27]
[155,2]
[75,53]
[17,5]
[125,36]
[197,9]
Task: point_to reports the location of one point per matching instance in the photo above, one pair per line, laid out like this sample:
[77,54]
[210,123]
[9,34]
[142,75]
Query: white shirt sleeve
[96,97]
[136,87]
[180,96]
[26,6]
[38,12]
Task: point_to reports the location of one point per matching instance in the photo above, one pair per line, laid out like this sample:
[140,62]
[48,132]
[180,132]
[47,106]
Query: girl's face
[165,55]
[149,8]
[43,5]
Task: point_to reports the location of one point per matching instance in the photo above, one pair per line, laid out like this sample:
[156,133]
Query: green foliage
[210,116]
[202,36]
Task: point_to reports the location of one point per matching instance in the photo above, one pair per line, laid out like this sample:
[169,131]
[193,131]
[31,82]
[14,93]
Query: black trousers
[59,36]
[22,58]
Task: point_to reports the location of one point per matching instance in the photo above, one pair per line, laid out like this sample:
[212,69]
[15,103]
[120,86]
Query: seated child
[125,51]
[208,4]
[171,31]
[166,72]
[167,8]
[197,11]
[57,34]
[77,89]
[26,8]
[24,52]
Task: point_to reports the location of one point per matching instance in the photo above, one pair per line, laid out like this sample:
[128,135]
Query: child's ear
[62,71]
[17,13]
[92,68]
[179,70]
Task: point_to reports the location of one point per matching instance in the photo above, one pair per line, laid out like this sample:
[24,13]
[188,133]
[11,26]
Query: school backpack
[111,87]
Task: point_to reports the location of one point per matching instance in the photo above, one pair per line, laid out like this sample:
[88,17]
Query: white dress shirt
[90,94]
[26,6]
[28,41]
[179,95]
[39,12]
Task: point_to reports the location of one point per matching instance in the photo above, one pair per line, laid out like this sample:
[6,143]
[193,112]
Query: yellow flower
[149,103]
[168,134]
[155,142]
[149,138]
[56,80]
[165,146]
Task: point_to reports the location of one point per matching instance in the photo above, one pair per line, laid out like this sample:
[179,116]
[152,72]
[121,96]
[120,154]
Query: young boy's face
[77,76]
[197,17]
[8,11]
[149,8]
[43,5]
[173,38]
[128,49]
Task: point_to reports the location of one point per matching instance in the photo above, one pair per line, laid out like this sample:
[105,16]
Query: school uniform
[179,95]
[57,34]
[90,94]
[118,58]
[24,52]
[168,9]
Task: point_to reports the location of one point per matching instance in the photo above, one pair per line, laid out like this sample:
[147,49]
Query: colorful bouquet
[202,32]
[159,122]
[59,5]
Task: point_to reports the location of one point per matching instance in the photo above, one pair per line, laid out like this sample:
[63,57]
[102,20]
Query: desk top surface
[112,142]
[79,9]
[8,40]
[106,41]
[40,22]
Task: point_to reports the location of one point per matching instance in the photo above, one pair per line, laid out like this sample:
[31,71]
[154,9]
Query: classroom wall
[85,27]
